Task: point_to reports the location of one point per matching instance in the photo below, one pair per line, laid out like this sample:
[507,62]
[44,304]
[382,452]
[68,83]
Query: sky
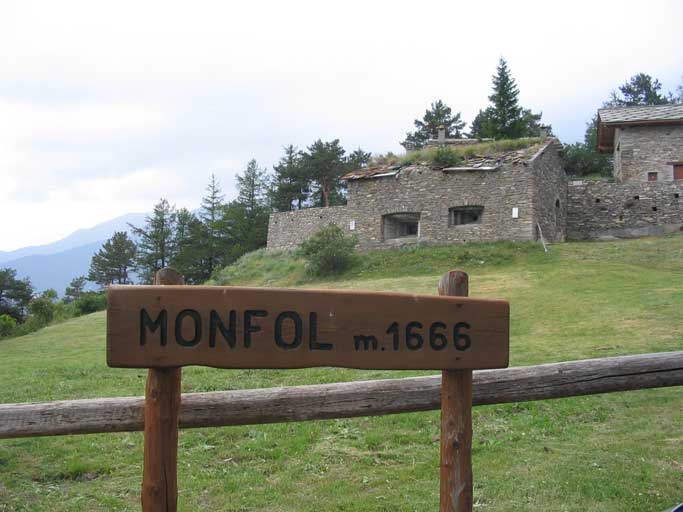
[105,107]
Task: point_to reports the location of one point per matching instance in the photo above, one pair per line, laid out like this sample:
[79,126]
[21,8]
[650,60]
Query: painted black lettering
[146,322]
[462,341]
[216,324]
[248,327]
[437,340]
[414,340]
[196,319]
[393,330]
[313,342]
[366,341]
[298,330]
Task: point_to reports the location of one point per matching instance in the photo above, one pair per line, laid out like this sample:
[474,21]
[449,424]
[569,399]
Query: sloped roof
[489,162]
[641,115]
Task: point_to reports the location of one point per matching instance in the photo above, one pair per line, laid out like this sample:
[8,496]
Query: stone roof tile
[641,113]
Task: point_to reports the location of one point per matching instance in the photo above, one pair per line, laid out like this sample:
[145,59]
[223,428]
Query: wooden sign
[231,327]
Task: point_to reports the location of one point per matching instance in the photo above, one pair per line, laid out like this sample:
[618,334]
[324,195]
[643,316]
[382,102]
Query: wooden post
[456,420]
[162,404]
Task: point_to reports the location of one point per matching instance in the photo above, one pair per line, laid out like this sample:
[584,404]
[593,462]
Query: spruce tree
[439,114]
[358,159]
[155,240]
[505,118]
[113,261]
[213,242]
[191,241]
[15,294]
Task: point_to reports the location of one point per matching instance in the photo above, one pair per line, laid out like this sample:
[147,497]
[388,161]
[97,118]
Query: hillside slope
[602,453]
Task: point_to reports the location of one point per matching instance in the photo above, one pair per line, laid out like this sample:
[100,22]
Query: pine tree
[439,114]
[324,164]
[358,159]
[15,294]
[290,186]
[75,289]
[641,89]
[155,241]
[111,264]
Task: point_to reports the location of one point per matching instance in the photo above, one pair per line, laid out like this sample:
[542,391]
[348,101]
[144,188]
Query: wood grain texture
[162,406]
[231,327]
[347,399]
[456,420]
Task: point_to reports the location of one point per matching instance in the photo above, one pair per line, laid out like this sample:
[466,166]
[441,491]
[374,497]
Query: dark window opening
[678,172]
[400,225]
[465,215]
[636,197]
[557,203]
[676,195]
[651,176]
[597,199]
[654,208]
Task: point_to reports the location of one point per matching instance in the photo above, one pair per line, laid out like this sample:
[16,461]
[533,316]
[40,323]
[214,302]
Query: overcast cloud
[104,108]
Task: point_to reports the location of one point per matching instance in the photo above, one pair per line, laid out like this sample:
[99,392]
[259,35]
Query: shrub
[329,251]
[7,325]
[89,302]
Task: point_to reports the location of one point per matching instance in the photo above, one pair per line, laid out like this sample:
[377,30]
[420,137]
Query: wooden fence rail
[349,399]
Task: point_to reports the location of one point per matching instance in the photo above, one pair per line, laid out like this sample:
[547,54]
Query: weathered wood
[347,399]
[456,420]
[231,327]
[162,405]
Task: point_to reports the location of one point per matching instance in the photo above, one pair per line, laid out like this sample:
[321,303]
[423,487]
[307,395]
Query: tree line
[503,118]
[198,243]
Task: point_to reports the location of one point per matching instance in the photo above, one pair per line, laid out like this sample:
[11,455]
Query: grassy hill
[601,453]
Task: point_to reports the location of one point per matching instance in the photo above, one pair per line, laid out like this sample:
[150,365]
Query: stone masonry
[516,198]
[601,209]
[639,150]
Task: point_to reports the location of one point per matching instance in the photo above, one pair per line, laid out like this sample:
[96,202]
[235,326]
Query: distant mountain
[55,265]
[82,237]
[55,270]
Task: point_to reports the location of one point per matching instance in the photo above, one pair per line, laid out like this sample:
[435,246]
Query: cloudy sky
[106,107]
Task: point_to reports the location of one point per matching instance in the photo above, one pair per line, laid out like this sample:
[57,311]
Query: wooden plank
[346,399]
[228,327]
[162,405]
[456,420]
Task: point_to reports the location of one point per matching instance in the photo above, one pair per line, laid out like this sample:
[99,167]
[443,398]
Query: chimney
[442,134]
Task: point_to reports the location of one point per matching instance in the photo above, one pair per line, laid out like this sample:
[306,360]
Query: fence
[345,400]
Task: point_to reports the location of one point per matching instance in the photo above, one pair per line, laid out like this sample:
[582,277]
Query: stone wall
[286,230]
[604,209]
[643,149]
[550,197]
[431,193]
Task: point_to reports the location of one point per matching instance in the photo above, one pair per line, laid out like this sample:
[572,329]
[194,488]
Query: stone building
[512,195]
[647,142]
[645,195]
[515,195]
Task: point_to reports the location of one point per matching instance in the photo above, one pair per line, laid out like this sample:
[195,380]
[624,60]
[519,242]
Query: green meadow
[615,452]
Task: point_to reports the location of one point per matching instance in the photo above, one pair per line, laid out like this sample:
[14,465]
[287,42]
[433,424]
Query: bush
[329,251]
[89,302]
[7,325]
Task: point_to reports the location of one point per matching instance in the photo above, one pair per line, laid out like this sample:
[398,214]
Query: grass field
[617,452]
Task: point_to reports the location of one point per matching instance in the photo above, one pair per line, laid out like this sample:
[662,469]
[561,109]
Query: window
[401,225]
[557,203]
[678,172]
[465,215]
[651,176]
